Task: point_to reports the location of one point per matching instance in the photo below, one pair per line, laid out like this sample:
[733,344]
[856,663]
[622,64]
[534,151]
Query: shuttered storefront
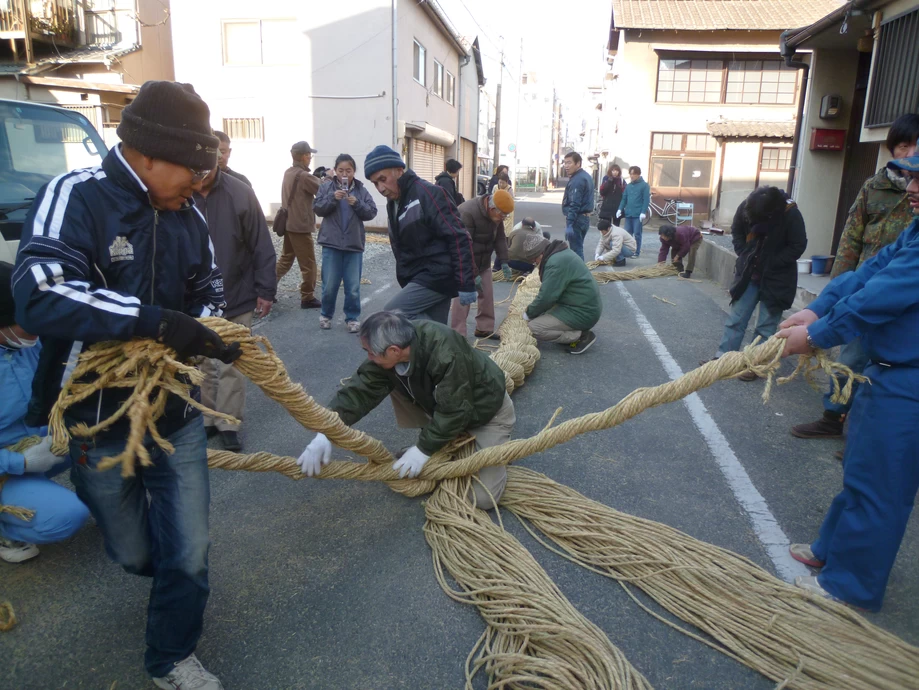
[467,173]
[427,159]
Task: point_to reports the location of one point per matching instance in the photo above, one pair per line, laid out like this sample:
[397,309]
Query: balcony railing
[49,19]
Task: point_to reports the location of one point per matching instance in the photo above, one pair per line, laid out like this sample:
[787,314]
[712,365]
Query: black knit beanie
[7,308]
[168,120]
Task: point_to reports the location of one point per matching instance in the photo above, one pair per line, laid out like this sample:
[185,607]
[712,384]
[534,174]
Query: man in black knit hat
[118,252]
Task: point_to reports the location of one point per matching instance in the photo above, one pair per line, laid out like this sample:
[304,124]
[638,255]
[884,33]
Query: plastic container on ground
[804,265]
[821,265]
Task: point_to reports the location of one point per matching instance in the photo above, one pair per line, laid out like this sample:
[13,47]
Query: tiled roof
[752,129]
[708,15]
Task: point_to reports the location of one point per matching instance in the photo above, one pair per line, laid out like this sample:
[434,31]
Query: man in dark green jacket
[438,383]
[568,304]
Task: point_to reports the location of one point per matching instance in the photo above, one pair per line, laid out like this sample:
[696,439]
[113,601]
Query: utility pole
[517,126]
[498,110]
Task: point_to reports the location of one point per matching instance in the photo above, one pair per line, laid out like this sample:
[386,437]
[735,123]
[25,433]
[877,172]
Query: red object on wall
[828,139]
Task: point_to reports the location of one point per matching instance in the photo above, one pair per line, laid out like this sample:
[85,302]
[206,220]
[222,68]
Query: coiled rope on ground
[661,270]
[534,636]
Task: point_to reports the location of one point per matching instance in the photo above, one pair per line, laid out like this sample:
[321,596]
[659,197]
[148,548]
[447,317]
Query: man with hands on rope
[438,383]
[120,252]
[862,531]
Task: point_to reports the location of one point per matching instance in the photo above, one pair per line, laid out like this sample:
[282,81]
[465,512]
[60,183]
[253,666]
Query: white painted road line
[767,529]
[375,293]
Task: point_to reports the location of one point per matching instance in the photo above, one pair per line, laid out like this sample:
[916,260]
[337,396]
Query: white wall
[633,91]
[741,159]
[334,49]
[819,174]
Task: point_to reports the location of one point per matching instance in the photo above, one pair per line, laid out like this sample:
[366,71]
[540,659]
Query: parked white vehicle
[38,142]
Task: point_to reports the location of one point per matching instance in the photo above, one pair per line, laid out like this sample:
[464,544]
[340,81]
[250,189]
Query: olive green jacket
[880,213]
[568,292]
[460,387]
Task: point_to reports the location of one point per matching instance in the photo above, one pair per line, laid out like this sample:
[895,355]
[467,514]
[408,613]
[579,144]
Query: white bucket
[804,265]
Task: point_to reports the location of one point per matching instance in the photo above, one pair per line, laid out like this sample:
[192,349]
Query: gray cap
[301,147]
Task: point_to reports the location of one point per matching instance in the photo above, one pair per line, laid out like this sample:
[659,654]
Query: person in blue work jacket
[119,252]
[577,203]
[59,514]
[862,531]
[636,200]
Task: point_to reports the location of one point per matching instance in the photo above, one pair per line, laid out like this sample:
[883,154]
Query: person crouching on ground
[344,204]
[528,226]
[483,217]
[568,304]
[681,242]
[24,481]
[438,383]
[615,245]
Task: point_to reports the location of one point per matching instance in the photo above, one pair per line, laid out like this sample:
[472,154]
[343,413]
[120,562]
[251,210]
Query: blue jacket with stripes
[97,262]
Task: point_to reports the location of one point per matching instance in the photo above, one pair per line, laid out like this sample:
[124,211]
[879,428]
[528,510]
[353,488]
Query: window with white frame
[418,63]
[704,80]
[775,159]
[438,86]
[259,42]
[244,128]
[450,89]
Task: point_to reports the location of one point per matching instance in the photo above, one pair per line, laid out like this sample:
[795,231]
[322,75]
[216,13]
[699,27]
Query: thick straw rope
[661,270]
[535,638]
[7,617]
[781,631]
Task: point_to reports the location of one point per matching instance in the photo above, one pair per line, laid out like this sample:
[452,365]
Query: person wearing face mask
[121,252]
[24,481]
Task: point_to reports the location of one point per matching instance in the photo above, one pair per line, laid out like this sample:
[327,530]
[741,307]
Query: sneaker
[354,326]
[310,303]
[686,274]
[585,341]
[810,583]
[619,262]
[703,362]
[828,426]
[325,323]
[802,554]
[486,335]
[231,441]
[17,551]
[748,375]
[189,675]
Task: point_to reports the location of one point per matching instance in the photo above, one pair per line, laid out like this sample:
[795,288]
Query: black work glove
[190,338]
[678,263]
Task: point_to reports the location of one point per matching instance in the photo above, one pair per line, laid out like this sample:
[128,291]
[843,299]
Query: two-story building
[700,97]
[343,76]
[90,56]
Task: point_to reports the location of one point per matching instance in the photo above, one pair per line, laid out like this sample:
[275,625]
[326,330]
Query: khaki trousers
[299,246]
[495,432]
[224,386]
[549,329]
[485,308]
[691,256]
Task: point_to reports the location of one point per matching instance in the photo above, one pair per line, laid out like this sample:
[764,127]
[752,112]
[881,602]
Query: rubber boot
[829,426]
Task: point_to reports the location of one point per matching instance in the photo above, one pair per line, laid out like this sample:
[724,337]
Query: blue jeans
[167,540]
[741,311]
[338,266]
[853,356]
[633,227]
[864,527]
[624,253]
[59,514]
[575,234]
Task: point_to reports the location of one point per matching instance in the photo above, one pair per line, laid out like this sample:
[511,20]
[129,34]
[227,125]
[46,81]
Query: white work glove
[642,217]
[40,459]
[619,213]
[525,316]
[410,463]
[596,257]
[316,456]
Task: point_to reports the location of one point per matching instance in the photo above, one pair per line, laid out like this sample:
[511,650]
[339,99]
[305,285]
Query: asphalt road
[322,584]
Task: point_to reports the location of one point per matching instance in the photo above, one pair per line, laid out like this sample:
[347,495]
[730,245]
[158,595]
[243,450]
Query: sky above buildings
[564,41]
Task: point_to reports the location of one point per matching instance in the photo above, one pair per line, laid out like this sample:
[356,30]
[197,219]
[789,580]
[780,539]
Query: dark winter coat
[237,175]
[461,388]
[685,237]
[449,184]
[242,244]
[97,262]
[578,199]
[772,257]
[487,235]
[327,207]
[431,246]
[611,190]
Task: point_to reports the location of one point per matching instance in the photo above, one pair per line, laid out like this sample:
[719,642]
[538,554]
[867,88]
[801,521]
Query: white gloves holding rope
[39,458]
[319,452]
